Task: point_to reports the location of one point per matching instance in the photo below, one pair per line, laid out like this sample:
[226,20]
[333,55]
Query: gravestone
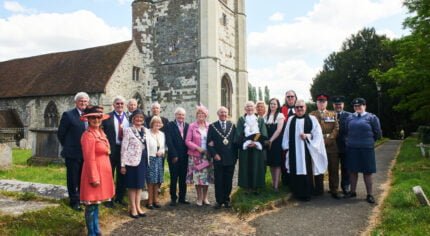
[5,157]
[23,143]
[47,148]
[422,198]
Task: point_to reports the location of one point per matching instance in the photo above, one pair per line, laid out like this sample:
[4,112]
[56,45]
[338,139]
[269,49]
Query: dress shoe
[370,199]
[206,203]
[227,205]
[351,195]
[184,202]
[335,195]
[172,203]
[156,205]
[198,203]
[217,206]
[150,207]
[108,204]
[141,214]
[76,207]
[134,216]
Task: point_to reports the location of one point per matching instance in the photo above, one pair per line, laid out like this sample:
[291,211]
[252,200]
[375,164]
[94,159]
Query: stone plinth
[5,157]
[47,147]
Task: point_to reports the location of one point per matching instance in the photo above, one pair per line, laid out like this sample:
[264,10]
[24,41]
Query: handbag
[204,164]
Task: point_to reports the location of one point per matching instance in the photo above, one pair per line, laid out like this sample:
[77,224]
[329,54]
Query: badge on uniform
[329,119]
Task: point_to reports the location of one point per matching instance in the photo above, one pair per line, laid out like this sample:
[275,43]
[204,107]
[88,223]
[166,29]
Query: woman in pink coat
[96,178]
[200,170]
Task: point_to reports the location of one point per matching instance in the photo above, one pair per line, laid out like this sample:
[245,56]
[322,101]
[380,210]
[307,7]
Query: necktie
[223,125]
[181,129]
[120,130]
[338,116]
[359,115]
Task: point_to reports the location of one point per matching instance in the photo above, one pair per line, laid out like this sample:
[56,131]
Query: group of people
[131,146]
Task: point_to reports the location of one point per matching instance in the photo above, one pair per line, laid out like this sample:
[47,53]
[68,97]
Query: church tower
[194,51]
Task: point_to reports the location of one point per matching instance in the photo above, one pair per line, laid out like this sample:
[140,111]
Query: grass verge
[401,212]
[52,174]
[244,202]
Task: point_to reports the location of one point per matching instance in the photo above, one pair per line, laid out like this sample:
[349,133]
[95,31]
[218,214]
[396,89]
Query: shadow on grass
[244,202]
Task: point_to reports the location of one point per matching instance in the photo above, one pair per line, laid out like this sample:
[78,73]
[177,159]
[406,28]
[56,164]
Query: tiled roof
[63,73]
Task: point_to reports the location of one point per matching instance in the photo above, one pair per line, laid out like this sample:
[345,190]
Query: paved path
[325,215]
[321,216]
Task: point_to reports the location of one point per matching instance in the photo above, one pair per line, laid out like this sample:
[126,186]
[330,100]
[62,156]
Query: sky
[287,40]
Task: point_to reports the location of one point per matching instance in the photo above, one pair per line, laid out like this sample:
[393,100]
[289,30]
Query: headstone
[23,143]
[5,157]
[422,198]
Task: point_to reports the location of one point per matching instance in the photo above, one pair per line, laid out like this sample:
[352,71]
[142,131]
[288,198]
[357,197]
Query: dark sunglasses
[299,107]
[290,96]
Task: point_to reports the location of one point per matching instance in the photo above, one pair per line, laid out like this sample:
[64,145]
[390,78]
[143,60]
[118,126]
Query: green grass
[401,212]
[244,202]
[52,174]
[381,141]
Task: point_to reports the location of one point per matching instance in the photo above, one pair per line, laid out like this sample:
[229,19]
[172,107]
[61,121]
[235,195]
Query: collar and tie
[223,126]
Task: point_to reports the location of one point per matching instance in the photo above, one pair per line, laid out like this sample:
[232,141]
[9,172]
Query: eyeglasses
[290,96]
[119,103]
[94,117]
[299,107]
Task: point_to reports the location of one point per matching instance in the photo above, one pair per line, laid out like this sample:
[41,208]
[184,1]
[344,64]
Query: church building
[182,53]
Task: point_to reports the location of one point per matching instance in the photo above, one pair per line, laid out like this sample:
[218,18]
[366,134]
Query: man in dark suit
[338,104]
[224,153]
[113,127]
[69,134]
[155,111]
[176,132]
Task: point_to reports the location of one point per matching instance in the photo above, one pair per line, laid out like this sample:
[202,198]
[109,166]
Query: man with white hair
[69,134]
[113,127]
[131,106]
[176,132]
[155,111]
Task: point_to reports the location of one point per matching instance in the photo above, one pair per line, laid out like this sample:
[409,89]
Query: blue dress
[135,175]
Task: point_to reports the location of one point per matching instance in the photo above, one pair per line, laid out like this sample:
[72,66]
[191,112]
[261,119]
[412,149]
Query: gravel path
[321,216]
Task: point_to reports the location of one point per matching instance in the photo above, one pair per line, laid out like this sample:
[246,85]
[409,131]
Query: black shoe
[370,199]
[156,205]
[150,207]
[335,195]
[172,203]
[184,202]
[351,195]
[76,207]
[217,206]
[134,216]
[227,205]
[108,204]
[141,214]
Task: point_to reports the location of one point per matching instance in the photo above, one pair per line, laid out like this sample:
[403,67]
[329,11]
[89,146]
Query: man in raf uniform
[330,130]
[224,153]
[338,104]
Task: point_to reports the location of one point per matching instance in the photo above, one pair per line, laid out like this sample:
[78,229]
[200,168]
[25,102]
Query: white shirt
[125,124]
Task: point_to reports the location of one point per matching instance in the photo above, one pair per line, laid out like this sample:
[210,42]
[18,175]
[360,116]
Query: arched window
[51,115]
[226,92]
[139,101]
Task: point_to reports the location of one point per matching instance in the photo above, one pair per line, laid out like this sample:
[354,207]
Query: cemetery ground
[399,214]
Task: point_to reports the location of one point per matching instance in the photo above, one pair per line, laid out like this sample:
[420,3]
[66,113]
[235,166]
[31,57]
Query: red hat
[322,96]
[93,111]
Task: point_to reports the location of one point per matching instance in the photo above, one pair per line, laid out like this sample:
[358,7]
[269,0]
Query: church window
[136,72]
[224,19]
[51,115]
[226,92]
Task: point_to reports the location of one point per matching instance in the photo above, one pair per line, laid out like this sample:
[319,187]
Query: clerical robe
[307,158]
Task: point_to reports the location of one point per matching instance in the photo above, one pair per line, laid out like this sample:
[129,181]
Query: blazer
[228,153]
[132,148]
[109,129]
[176,146]
[69,134]
[193,139]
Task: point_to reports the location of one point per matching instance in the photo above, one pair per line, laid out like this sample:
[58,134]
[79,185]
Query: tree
[252,93]
[266,94]
[260,94]
[411,73]
[347,73]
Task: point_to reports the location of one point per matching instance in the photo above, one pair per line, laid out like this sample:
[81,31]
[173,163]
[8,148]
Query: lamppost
[378,88]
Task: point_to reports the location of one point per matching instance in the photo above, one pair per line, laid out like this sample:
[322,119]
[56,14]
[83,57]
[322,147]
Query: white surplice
[315,146]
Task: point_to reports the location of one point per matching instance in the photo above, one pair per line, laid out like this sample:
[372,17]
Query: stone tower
[194,51]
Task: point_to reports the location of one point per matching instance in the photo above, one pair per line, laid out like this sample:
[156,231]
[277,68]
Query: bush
[424,134]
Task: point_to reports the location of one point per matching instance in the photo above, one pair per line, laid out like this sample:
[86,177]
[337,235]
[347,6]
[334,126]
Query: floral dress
[200,169]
